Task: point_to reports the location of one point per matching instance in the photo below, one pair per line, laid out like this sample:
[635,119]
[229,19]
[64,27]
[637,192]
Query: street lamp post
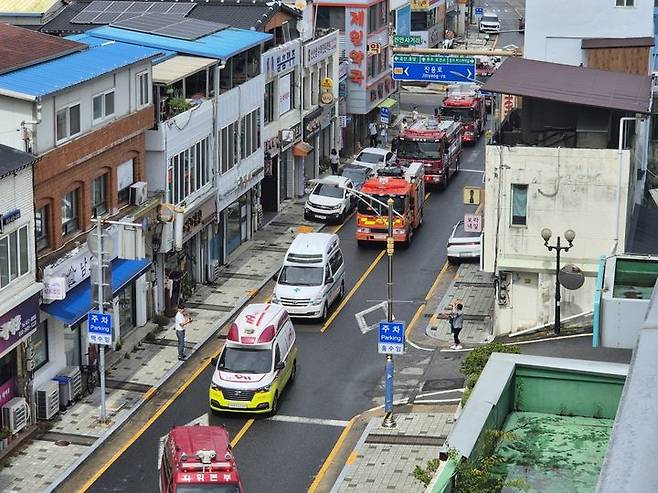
[569,235]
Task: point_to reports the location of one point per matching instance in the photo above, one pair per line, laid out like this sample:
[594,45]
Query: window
[228,155]
[68,122]
[330,17]
[41,223]
[269,102]
[70,221]
[419,21]
[103,106]
[625,3]
[142,88]
[188,171]
[250,134]
[336,261]
[14,256]
[98,196]
[519,205]
[39,342]
[125,178]
[226,77]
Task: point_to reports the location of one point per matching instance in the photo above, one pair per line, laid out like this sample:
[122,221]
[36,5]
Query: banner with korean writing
[18,323]
[356,47]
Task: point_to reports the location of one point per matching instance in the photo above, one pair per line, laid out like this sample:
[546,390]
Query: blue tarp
[77,303]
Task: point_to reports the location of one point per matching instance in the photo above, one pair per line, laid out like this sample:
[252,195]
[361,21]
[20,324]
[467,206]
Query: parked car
[463,245]
[357,173]
[489,23]
[330,200]
[374,157]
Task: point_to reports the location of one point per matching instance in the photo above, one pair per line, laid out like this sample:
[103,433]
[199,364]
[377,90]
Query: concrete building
[84,112]
[557,163]
[428,20]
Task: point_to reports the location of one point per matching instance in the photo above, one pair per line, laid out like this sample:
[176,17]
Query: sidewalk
[45,459]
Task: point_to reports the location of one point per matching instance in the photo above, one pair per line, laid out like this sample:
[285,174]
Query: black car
[358,174]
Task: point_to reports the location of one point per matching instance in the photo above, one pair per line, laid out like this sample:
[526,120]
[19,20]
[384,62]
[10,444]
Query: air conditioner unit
[14,414]
[70,385]
[47,398]
[167,241]
[138,193]
[213,270]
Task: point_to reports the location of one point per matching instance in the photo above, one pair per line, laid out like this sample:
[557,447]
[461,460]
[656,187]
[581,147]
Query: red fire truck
[465,103]
[436,144]
[197,458]
[407,189]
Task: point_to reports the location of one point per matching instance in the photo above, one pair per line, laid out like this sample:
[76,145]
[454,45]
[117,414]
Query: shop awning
[387,103]
[77,303]
[178,68]
[301,149]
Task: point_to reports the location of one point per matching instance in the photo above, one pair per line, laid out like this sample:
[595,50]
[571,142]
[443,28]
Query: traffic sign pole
[389,419]
[101,360]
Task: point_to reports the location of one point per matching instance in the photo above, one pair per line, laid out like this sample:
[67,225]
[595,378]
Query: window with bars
[188,172]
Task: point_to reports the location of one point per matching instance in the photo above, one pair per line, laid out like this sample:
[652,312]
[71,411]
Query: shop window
[268,104]
[125,178]
[188,172]
[14,256]
[41,223]
[39,342]
[70,212]
[72,345]
[142,89]
[68,122]
[103,106]
[98,196]
[7,367]
[519,205]
[126,302]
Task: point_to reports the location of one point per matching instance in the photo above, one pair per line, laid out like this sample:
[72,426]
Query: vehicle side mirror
[280,365]
[330,280]
[213,361]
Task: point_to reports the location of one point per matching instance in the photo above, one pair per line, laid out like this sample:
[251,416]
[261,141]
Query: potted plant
[179,105]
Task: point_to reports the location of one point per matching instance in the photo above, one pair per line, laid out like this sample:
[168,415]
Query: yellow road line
[144,427]
[414,319]
[429,294]
[427,195]
[325,466]
[242,431]
[352,291]
[335,231]
[436,281]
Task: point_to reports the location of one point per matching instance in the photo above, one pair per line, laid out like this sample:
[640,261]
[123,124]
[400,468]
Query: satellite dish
[571,277]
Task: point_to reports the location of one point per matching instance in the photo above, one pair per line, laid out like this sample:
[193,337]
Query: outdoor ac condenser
[47,400]
[138,193]
[14,414]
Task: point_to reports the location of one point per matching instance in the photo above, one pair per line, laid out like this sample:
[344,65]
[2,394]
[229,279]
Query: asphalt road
[339,371]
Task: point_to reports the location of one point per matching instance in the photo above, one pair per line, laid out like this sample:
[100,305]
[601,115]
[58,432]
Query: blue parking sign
[390,338]
[479,11]
[99,328]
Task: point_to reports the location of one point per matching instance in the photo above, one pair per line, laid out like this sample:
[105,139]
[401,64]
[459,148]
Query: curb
[216,327]
[359,444]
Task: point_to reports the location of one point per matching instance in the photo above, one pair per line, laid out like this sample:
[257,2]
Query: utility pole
[389,419]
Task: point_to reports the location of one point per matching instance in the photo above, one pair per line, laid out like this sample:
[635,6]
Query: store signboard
[18,323]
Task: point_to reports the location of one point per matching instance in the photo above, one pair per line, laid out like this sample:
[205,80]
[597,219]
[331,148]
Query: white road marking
[399,402]
[418,347]
[546,339]
[309,421]
[437,401]
[472,170]
[448,391]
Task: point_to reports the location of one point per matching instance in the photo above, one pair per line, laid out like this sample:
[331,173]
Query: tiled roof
[21,47]
[12,159]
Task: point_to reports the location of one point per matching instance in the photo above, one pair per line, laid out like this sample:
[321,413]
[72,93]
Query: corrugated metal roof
[179,67]
[70,70]
[570,84]
[93,41]
[221,45]
[26,6]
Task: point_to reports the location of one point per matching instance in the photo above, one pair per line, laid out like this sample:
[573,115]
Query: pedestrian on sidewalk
[180,322]
[383,135]
[456,323]
[404,125]
[414,113]
[334,159]
[372,128]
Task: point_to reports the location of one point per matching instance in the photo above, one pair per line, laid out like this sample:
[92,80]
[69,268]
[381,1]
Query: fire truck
[434,142]
[407,189]
[197,458]
[465,103]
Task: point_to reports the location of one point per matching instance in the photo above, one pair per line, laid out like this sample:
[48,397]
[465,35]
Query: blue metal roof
[94,41]
[220,45]
[67,71]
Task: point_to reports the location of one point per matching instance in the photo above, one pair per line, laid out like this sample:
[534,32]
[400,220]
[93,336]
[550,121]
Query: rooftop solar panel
[138,7]
[84,17]
[159,8]
[105,18]
[170,25]
[117,7]
[116,11]
[97,6]
[181,8]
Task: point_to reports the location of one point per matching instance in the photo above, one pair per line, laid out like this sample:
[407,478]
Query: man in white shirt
[372,127]
[181,321]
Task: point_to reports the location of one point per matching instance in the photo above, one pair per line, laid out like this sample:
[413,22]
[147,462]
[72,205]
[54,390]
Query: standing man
[383,134]
[456,324]
[372,128]
[414,113]
[334,159]
[180,322]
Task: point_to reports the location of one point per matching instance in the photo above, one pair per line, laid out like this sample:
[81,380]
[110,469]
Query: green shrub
[476,360]
[425,475]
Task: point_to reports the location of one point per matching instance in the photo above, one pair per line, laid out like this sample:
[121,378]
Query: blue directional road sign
[434,68]
[99,328]
[479,11]
[391,338]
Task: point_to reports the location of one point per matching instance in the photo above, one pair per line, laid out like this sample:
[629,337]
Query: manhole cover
[443,384]
[62,443]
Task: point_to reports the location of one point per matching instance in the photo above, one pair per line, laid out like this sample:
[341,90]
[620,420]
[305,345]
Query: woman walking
[334,159]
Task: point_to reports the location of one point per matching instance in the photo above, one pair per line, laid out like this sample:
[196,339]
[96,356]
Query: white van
[258,360]
[312,276]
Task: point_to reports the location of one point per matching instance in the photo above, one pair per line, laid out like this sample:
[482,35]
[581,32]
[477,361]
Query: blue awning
[77,303]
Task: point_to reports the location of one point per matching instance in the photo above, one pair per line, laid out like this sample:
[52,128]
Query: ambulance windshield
[245,360]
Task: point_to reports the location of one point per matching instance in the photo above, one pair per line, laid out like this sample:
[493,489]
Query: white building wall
[567,189]
[12,113]
[554,30]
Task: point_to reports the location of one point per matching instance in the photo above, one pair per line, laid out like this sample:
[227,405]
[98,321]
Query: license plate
[238,405]
[320,216]
[379,236]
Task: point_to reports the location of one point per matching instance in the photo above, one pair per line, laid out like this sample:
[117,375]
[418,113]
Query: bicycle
[90,373]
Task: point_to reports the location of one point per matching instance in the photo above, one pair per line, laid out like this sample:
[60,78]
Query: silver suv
[489,23]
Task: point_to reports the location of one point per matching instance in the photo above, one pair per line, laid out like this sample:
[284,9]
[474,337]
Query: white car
[463,245]
[374,158]
[489,23]
[330,200]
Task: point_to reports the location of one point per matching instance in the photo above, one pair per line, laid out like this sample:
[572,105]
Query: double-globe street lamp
[389,419]
[569,235]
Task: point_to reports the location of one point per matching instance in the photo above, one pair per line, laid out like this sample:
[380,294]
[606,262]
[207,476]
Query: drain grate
[282,224]
[206,306]
[427,441]
[131,386]
[170,343]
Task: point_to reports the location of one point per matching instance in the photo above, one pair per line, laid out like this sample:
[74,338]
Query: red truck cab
[194,459]
[465,103]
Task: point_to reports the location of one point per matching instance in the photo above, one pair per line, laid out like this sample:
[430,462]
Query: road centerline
[310,421]
[241,433]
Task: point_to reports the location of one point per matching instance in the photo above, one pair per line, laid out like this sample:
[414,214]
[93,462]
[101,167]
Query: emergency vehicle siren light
[267,335]
[206,456]
[233,333]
